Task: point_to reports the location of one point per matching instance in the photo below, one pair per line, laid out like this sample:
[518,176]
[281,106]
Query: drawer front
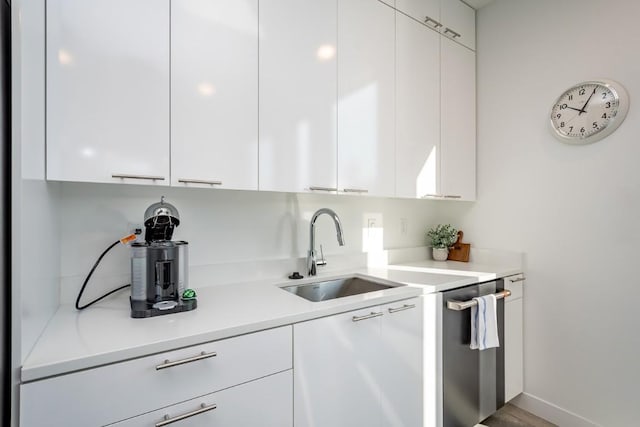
[107,394]
[267,402]
[515,285]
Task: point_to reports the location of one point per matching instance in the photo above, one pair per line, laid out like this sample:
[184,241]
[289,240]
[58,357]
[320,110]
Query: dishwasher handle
[463,305]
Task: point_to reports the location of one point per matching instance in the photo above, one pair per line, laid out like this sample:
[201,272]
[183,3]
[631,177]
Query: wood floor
[512,416]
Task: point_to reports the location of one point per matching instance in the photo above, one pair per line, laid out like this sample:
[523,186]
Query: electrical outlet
[404,224]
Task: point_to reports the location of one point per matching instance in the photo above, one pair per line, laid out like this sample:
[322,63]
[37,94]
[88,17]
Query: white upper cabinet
[459,22]
[298,94]
[417,108]
[214,93]
[452,18]
[108,91]
[458,127]
[366,97]
[425,11]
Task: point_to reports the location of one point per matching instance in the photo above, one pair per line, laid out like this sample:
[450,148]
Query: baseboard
[551,412]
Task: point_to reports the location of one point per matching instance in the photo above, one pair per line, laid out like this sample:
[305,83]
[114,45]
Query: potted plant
[442,237]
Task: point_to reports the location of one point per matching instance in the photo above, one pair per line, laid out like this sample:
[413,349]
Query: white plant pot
[440,254]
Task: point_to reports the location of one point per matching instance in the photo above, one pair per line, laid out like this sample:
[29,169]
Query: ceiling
[477,4]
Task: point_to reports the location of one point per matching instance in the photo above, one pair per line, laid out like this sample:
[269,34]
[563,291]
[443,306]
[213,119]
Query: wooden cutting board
[459,251]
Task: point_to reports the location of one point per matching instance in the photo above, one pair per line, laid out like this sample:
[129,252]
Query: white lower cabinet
[513,337]
[361,368]
[265,402]
[116,392]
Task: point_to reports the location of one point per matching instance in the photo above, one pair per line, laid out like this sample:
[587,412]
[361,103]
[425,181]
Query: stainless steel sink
[331,289]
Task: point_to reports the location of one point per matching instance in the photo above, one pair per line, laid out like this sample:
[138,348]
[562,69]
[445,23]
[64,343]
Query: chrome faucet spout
[312,263]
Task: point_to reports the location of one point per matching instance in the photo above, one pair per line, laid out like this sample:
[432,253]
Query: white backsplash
[233,236]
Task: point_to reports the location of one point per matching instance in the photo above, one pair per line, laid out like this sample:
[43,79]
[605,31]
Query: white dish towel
[484,323]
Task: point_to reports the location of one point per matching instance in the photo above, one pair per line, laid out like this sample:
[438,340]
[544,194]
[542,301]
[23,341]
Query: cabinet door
[427,11]
[366,97]
[513,338]
[417,108]
[108,90]
[459,22]
[458,137]
[336,371]
[298,136]
[265,402]
[214,93]
[402,378]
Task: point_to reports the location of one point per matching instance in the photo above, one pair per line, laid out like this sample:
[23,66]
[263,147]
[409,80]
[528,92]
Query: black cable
[84,285]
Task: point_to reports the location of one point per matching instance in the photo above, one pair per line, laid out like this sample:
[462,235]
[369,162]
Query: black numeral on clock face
[582,91]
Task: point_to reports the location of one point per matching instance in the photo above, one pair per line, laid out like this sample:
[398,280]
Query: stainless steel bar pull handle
[355,190]
[322,189]
[199,181]
[366,316]
[442,196]
[201,356]
[453,34]
[428,20]
[404,307]
[517,279]
[129,176]
[463,305]
[169,420]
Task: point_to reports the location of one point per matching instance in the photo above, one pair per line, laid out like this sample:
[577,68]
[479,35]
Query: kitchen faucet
[311,258]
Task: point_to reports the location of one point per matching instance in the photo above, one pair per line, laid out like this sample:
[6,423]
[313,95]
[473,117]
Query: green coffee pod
[189,294]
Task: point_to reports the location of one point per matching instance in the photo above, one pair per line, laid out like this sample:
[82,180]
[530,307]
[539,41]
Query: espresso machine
[160,266]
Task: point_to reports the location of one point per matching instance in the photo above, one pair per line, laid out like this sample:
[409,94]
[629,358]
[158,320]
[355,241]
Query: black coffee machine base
[142,309]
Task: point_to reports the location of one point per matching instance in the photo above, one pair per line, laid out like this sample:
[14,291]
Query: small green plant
[442,236]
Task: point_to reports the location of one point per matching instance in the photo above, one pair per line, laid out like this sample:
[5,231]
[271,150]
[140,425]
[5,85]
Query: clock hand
[582,110]
[576,109]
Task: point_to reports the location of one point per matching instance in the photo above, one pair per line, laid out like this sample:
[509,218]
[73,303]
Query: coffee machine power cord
[124,240]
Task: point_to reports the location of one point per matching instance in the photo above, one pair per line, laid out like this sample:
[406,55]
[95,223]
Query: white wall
[574,210]
[227,231]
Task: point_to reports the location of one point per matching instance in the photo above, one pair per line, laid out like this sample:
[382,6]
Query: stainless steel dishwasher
[473,380]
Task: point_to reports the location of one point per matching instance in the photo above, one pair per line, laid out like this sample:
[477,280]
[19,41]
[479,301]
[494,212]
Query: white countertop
[105,333]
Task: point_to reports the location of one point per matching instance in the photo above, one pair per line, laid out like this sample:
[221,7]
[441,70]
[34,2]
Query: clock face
[589,111]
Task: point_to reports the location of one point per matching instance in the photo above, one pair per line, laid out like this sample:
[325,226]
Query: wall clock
[589,111]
